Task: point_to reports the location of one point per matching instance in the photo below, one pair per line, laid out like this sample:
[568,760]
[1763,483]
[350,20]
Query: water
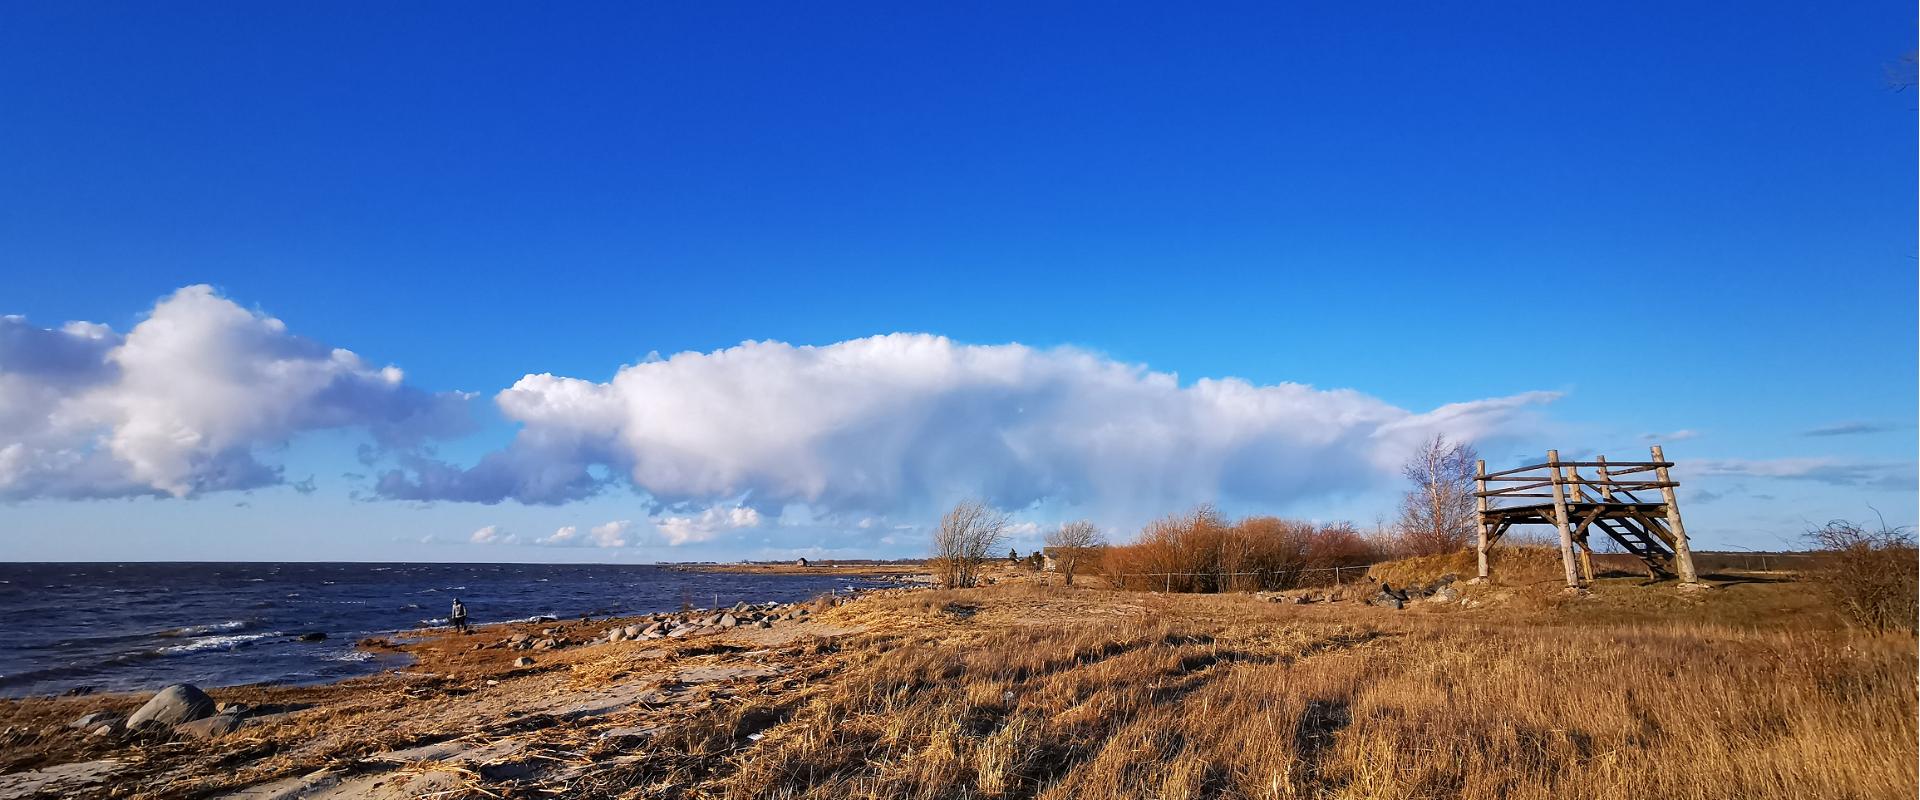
[118,627]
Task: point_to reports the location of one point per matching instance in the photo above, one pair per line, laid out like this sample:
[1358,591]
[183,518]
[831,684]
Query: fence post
[1169,583]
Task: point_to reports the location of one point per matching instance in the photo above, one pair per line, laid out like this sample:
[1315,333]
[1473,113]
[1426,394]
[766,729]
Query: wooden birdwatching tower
[1556,493]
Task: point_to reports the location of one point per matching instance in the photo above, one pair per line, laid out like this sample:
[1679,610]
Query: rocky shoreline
[583,672]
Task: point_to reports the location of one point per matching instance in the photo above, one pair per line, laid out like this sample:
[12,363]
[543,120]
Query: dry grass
[1227,697]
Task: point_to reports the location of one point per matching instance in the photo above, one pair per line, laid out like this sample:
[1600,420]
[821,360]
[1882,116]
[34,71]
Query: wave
[216,643]
[202,630]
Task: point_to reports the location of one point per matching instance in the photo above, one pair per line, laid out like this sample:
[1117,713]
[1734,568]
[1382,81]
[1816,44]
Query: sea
[118,627]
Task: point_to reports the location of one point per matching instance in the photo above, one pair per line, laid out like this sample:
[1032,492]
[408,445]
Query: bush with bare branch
[961,544]
[1074,544]
[1438,515]
[1872,575]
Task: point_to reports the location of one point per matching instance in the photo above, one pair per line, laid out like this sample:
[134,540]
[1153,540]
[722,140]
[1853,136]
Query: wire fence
[1167,577]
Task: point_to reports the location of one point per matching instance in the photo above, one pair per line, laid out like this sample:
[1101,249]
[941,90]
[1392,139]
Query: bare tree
[1072,542]
[961,544]
[1438,515]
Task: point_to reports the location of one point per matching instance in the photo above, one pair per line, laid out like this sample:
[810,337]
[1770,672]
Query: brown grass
[1229,697]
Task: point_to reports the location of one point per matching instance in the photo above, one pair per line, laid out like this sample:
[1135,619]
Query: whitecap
[215,643]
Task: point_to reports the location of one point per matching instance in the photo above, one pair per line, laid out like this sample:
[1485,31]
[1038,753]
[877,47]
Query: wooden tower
[1556,493]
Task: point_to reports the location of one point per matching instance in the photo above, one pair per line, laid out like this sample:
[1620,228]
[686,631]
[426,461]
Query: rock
[311,636]
[181,702]
[1387,600]
[523,661]
[651,630]
[519,638]
[799,612]
[763,624]
[1444,594]
[728,621]
[210,728]
[236,709]
[94,720]
[634,631]
[680,631]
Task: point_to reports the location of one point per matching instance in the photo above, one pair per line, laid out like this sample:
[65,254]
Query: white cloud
[609,535]
[179,404]
[493,535]
[612,534]
[904,423]
[1832,471]
[706,525]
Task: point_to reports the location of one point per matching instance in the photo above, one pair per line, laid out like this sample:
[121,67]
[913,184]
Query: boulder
[236,709]
[728,621]
[212,727]
[1444,594]
[1387,600]
[181,702]
[634,631]
[523,661]
[763,624]
[518,638]
[652,630]
[617,635]
[680,631]
[94,720]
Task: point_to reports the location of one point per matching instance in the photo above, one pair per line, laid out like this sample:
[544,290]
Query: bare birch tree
[1438,515]
[965,538]
[1072,542]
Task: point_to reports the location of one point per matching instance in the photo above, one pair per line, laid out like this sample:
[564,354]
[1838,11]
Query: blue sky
[1448,204]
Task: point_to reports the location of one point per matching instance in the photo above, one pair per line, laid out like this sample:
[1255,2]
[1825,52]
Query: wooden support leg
[1560,521]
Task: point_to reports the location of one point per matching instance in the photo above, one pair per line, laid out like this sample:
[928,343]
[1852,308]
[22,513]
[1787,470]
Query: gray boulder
[728,621]
[181,702]
[210,728]
[523,661]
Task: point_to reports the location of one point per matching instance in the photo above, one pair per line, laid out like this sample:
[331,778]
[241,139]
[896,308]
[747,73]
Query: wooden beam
[1682,554]
[1480,546]
[1560,521]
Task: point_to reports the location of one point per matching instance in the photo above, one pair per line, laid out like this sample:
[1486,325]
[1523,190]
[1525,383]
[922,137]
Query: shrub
[1872,576]
[1205,553]
[960,545]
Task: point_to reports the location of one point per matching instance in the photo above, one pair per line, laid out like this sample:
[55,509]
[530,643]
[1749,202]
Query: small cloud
[493,535]
[1850,429]
[304,487]
[1677,436]
[706,525]
[612,534]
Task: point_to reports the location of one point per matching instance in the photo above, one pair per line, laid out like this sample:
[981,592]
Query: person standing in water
[458,617]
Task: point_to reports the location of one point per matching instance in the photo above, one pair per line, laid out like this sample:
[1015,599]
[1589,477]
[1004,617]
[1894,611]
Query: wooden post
[1480,544]
[1606,480]
[1560,520]
[1682,554]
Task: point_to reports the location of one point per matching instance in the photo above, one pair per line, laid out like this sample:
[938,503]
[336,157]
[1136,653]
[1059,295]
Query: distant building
[800,562]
